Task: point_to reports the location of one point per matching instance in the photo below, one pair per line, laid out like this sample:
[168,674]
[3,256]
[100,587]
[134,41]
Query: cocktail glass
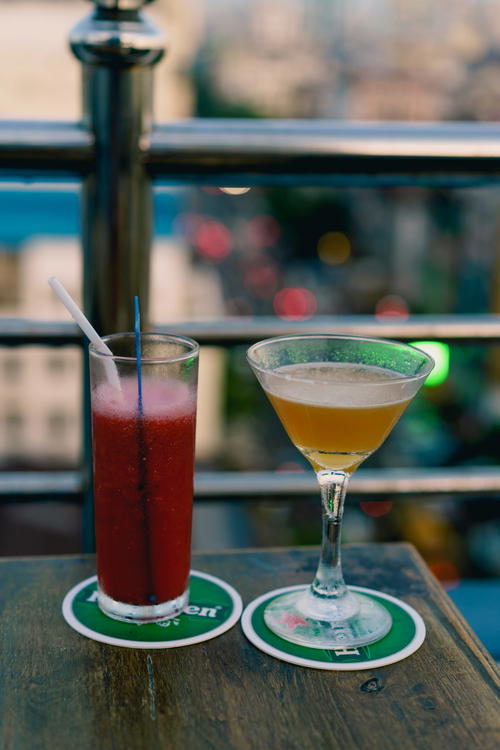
[143,456]
[338,397]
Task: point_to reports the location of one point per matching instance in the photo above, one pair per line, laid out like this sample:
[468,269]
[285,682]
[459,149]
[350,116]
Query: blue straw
[138,352]
[143,474]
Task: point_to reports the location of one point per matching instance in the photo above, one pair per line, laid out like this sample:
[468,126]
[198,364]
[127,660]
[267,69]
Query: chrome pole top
[121,4]
[116,33]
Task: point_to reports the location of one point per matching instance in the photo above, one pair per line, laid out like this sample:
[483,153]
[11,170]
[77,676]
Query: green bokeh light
[440,353]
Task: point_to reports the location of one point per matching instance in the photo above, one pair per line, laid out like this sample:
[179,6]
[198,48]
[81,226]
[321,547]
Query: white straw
[87,328]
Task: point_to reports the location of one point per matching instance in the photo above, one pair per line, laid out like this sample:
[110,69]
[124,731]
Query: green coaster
[214,607]
[404,638]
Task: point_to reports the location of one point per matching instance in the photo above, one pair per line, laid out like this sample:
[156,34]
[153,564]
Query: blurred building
[362,59]
[40,388]
[40,78]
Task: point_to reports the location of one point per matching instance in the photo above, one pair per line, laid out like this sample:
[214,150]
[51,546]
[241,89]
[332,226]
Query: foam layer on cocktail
[160,397]
[338,384]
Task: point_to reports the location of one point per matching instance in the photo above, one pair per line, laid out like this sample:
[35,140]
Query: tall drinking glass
[143,456]
[338,397]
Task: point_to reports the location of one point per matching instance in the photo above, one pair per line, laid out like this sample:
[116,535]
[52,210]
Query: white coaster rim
[408,650]
[74,623]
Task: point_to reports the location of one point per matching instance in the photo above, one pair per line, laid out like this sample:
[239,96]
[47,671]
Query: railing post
[118,48]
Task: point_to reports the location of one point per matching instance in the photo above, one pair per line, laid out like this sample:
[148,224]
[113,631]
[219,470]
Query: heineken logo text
[199,610]
[194,609]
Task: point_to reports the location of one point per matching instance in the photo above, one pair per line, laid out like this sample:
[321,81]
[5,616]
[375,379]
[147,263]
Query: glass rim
[193,350]
[428,360]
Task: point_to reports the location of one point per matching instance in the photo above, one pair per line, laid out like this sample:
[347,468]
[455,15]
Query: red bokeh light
[261,280]
[263,231]
[376,508]
[295,304]
[392,306]
[446,573]
[213,240]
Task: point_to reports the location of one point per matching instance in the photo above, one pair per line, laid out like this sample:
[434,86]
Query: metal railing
[117,153]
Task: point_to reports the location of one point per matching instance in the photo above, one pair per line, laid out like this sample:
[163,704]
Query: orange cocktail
[330,426]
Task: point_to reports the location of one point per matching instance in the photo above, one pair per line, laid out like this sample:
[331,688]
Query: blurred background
[288,252]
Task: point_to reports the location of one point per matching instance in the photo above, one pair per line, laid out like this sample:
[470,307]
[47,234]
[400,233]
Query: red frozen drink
[143,493]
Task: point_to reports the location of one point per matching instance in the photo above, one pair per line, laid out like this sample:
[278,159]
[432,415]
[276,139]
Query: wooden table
[61,691]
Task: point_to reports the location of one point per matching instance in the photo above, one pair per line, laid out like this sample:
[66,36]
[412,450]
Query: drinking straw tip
[85,325]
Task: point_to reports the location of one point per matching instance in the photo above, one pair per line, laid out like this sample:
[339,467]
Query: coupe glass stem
[329,581]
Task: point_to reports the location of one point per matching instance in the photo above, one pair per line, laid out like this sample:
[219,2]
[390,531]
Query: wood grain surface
[60,690]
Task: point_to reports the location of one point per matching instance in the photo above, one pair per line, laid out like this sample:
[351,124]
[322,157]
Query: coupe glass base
[285,617]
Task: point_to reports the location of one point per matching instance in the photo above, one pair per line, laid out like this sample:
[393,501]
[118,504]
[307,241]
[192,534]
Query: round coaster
[405,636]
[214,607]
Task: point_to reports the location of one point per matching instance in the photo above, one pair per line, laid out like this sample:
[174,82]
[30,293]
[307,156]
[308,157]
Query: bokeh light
[376,508]
[440,353]
[235,190]
[295,303]
[392,306]
[261,279]
[446,573]
[334,248]
[262,231]
[213,240]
